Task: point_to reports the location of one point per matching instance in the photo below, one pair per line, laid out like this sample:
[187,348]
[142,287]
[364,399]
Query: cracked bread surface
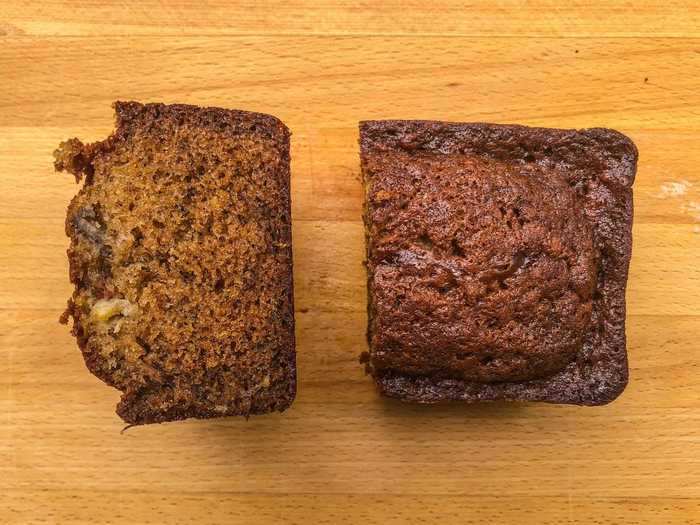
[180,253]
[497,260]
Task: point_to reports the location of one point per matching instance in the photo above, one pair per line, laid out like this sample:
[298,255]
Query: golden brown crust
[497,260]
[181,259]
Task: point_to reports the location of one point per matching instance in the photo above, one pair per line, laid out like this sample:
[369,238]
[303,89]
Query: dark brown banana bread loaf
[180,252]
[497,261]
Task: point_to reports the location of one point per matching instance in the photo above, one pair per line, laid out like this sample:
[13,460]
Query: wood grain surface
[342,454]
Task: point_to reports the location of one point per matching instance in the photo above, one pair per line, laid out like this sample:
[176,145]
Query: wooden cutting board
[342,454]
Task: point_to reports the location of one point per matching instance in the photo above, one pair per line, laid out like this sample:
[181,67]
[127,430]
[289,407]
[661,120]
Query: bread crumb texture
[180,253]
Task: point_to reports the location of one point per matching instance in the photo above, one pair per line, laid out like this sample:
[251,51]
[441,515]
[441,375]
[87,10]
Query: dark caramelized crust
[497,260]
[181,258]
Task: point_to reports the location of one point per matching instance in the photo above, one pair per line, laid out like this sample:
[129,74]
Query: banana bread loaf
[497,261]
[180,253]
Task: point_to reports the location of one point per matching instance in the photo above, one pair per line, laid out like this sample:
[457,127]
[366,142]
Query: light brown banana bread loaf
[180,253]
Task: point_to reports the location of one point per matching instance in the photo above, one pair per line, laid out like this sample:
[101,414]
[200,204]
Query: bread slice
[497,261]
[181,257]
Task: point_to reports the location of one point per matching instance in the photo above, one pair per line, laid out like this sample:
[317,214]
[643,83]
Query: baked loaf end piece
[180,253]
[497,261]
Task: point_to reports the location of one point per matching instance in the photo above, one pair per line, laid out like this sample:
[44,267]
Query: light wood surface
[342,454]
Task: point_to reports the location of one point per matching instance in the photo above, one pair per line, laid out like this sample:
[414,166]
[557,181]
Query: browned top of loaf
[497,255]
[491,269]
[181,258]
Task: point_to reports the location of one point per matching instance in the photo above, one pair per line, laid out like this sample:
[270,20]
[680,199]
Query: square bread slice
[497,261]
[181,257]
